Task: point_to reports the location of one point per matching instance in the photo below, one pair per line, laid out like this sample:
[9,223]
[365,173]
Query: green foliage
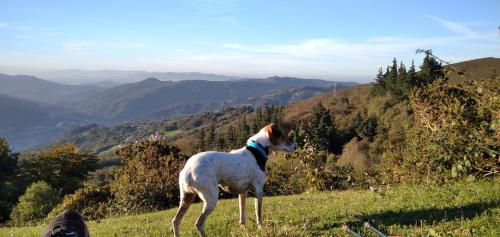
[454,135]
[298,135]
[320,170]
[10,184]
[35,203]
[148,177]
[430,70]
[321,128]
[64,167]
[285,175]
[92,202]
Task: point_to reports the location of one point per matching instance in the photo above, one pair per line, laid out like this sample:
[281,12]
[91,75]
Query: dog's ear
[274,133]
[275,130]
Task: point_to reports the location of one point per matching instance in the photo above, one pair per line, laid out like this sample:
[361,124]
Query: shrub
[35,203]
[285,175]
[62,166]
[354,154]
[148,179]
[91,202]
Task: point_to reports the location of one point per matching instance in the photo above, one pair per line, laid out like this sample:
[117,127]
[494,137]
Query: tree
[10,184]
[402,86]
[63,167]
[298,135]
[201,139]
[231,139]
[244,131]
[411,76]
[430,70]
[220,143]
[35,203]
[321,127]
[392,76]
[379,87]
[211,136]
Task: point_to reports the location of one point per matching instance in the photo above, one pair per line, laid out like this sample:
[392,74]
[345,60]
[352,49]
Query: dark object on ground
[68,223]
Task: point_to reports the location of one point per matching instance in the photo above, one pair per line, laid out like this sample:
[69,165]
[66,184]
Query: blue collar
[259,147]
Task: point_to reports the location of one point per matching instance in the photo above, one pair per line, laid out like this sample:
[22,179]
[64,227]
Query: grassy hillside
[463,209]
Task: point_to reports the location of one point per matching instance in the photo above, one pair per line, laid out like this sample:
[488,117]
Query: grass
[462,209]
[171,133]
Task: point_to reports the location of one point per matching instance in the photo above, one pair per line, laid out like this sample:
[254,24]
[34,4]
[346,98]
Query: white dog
[237,172]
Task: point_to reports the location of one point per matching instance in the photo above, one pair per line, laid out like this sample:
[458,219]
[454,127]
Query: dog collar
[259,152]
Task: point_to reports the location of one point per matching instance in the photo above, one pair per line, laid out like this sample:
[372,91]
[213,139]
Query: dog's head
[278,138]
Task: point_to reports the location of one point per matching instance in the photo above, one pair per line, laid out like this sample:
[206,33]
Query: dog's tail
[185,181]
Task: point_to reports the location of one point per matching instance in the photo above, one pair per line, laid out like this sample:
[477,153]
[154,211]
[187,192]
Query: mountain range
[36,109]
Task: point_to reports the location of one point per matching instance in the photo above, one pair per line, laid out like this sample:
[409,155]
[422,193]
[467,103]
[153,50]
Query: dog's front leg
[243,198]
[258,205]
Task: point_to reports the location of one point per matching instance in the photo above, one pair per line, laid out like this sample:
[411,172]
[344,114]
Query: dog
[236,172]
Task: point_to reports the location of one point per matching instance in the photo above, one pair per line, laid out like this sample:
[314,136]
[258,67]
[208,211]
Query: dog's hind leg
[186,200]
[242,197]
[209,199]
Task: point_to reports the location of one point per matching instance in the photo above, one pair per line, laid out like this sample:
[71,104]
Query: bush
[64,167]
[148,179]
[285,175]
[355,155]
[91,202]
[35,203]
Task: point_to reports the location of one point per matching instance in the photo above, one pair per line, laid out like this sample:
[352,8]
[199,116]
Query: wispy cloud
[463,29]
[331,48]
[456,27]
[3,24]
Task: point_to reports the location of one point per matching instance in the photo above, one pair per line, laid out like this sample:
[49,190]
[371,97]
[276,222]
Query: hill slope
[481,67]
[463,209]
[36,89]
[153,98]
[26,123]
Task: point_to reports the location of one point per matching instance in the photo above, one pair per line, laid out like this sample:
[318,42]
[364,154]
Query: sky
[316,39]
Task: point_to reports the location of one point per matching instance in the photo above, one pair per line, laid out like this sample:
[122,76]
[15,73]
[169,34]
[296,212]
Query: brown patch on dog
[275,135]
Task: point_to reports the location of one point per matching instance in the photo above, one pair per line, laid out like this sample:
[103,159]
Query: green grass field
[171,133]
[464,209]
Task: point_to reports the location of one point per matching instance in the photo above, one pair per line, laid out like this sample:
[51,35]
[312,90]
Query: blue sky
[323,39]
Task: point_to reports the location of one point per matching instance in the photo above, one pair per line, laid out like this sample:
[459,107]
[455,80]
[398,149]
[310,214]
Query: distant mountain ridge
[37,109]
[85,77]
[179,98]
[26,123]
[36,89]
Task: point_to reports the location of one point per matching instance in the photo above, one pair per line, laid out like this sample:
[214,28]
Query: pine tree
[231,137]
[392,76]
[201,139]
[379,86]
[219,141]
[298,135]
[411,76]
[210,136]
[430,70]
[402,87]
[321,127]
